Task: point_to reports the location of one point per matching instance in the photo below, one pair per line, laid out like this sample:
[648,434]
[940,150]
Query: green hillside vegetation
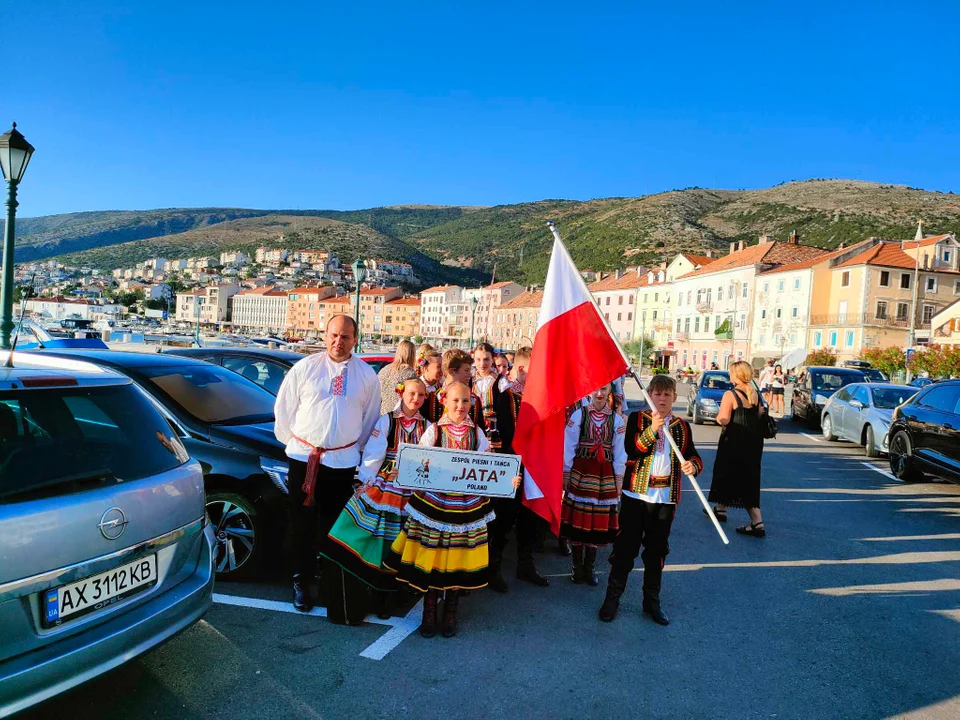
[469,241]
[297,233]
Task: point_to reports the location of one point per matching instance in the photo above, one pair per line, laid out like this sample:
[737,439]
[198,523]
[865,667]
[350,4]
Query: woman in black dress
[736,471]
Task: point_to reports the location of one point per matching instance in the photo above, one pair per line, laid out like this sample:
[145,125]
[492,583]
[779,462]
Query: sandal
[720,514]
[754,530]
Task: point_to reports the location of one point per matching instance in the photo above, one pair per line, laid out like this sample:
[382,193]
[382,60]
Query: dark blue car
[704,404]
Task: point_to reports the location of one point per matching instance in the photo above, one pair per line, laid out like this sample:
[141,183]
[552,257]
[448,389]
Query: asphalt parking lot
[849,608]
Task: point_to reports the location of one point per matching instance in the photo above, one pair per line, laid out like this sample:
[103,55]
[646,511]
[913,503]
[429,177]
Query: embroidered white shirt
[504,383]
[571,439]
[328,404]
[429,438]
[660,467]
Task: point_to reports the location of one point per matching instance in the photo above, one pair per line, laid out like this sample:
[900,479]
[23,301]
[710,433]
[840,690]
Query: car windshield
[874,375]
[211,394]
[59,441]
[891,397]
[716,381]
[833,381]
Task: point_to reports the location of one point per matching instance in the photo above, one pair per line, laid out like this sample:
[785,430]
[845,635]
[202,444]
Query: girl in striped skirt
[594,459]
[373,517]
[444,546]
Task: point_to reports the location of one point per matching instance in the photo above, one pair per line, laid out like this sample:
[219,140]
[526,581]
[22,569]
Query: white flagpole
[633,374]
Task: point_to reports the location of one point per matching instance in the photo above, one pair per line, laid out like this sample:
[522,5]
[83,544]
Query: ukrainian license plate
[98,591]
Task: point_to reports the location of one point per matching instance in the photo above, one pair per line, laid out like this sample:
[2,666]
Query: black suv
[225,421]
[925,434]
[821,382]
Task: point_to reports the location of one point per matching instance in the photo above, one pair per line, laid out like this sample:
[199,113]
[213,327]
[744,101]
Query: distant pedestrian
[326,409]
[776,390]
[402,368]
[765,380]
[736,470]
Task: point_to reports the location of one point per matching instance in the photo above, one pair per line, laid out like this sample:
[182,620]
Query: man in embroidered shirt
[651,490]
[326,409]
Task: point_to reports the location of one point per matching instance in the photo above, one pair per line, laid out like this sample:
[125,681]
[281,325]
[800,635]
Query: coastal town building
[515,321]
[63,308]
[308,309]
[262,309]
[209,305]
[488,299]
[402,319]
[441,315]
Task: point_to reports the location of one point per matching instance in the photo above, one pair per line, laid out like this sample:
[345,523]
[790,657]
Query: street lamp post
[359,274]
[15,154]
[473,318]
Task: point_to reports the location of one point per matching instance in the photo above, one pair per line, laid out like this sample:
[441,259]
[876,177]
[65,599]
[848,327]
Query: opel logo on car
[113,523]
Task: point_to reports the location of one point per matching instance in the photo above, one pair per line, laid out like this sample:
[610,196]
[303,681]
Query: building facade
[308,309]
[262,309]
[209,305]
[514,322]
[441,315]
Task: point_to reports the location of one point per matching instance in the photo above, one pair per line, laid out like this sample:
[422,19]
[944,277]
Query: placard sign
[456,471]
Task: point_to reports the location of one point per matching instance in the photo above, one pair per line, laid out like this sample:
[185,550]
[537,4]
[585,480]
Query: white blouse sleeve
[619,448]
[483,445]
[286,405]
[429,437]
[571,438]
[375,450]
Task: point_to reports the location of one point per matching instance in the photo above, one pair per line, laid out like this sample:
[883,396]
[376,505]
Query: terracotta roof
[810,262]
[498,285]
[438,288]
[630,281]
[926,242]
[526,299]
[886,254]
[698,259]
[771,252]
[338,300]
[404,301]
[265,290]
[377,291]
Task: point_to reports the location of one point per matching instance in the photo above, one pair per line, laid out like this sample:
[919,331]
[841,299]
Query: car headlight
[707,402]
[277,471]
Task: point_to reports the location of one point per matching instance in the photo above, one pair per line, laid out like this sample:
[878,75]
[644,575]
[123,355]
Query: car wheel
[869,442]
[697,420]
[826,427]
[902,463]
[238,532]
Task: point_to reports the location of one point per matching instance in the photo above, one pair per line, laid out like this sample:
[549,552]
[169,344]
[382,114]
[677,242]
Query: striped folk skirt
[589,512]
[444,544]
[364,532]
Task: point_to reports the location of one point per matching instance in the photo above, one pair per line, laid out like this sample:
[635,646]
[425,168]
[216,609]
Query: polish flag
[573,355]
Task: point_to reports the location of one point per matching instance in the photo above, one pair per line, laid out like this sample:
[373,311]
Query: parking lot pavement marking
[812,437]
[876,469]
[401,630]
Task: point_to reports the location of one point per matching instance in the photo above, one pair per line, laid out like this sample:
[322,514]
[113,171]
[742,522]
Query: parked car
[861,413]
[925,434]
[104,550]
[704,402]
[818,385]
[263,366]
[226,423]
[921,382]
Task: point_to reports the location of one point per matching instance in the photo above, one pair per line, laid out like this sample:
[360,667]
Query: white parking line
[400,628]
[882,472]
[812,437]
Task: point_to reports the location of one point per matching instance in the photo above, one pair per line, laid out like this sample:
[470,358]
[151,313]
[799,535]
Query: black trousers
[306,526]
[647,525]
[511,512]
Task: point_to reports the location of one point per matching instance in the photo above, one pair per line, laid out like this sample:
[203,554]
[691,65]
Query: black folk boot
[576,574]
[616,584]
[428,627]
[527,568]
[652,575]
[589,558]
[301,594]
[495,579]
[449,626]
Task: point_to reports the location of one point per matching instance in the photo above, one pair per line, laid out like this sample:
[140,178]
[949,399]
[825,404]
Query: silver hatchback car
[862,412]
[104,548]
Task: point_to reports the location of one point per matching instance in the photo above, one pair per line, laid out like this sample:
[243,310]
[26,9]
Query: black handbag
[768,426]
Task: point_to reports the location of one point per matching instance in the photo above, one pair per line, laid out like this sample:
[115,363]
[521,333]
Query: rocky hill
[469,241]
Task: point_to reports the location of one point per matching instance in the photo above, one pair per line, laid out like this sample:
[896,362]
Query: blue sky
[347,105]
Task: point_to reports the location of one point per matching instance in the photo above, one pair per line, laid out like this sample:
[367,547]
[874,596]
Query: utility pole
[912,333]
[643,332]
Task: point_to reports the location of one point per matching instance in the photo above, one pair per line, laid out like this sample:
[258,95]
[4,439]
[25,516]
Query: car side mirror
[856,404]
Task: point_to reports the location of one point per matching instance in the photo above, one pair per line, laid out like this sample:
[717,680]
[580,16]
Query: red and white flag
[573,355]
